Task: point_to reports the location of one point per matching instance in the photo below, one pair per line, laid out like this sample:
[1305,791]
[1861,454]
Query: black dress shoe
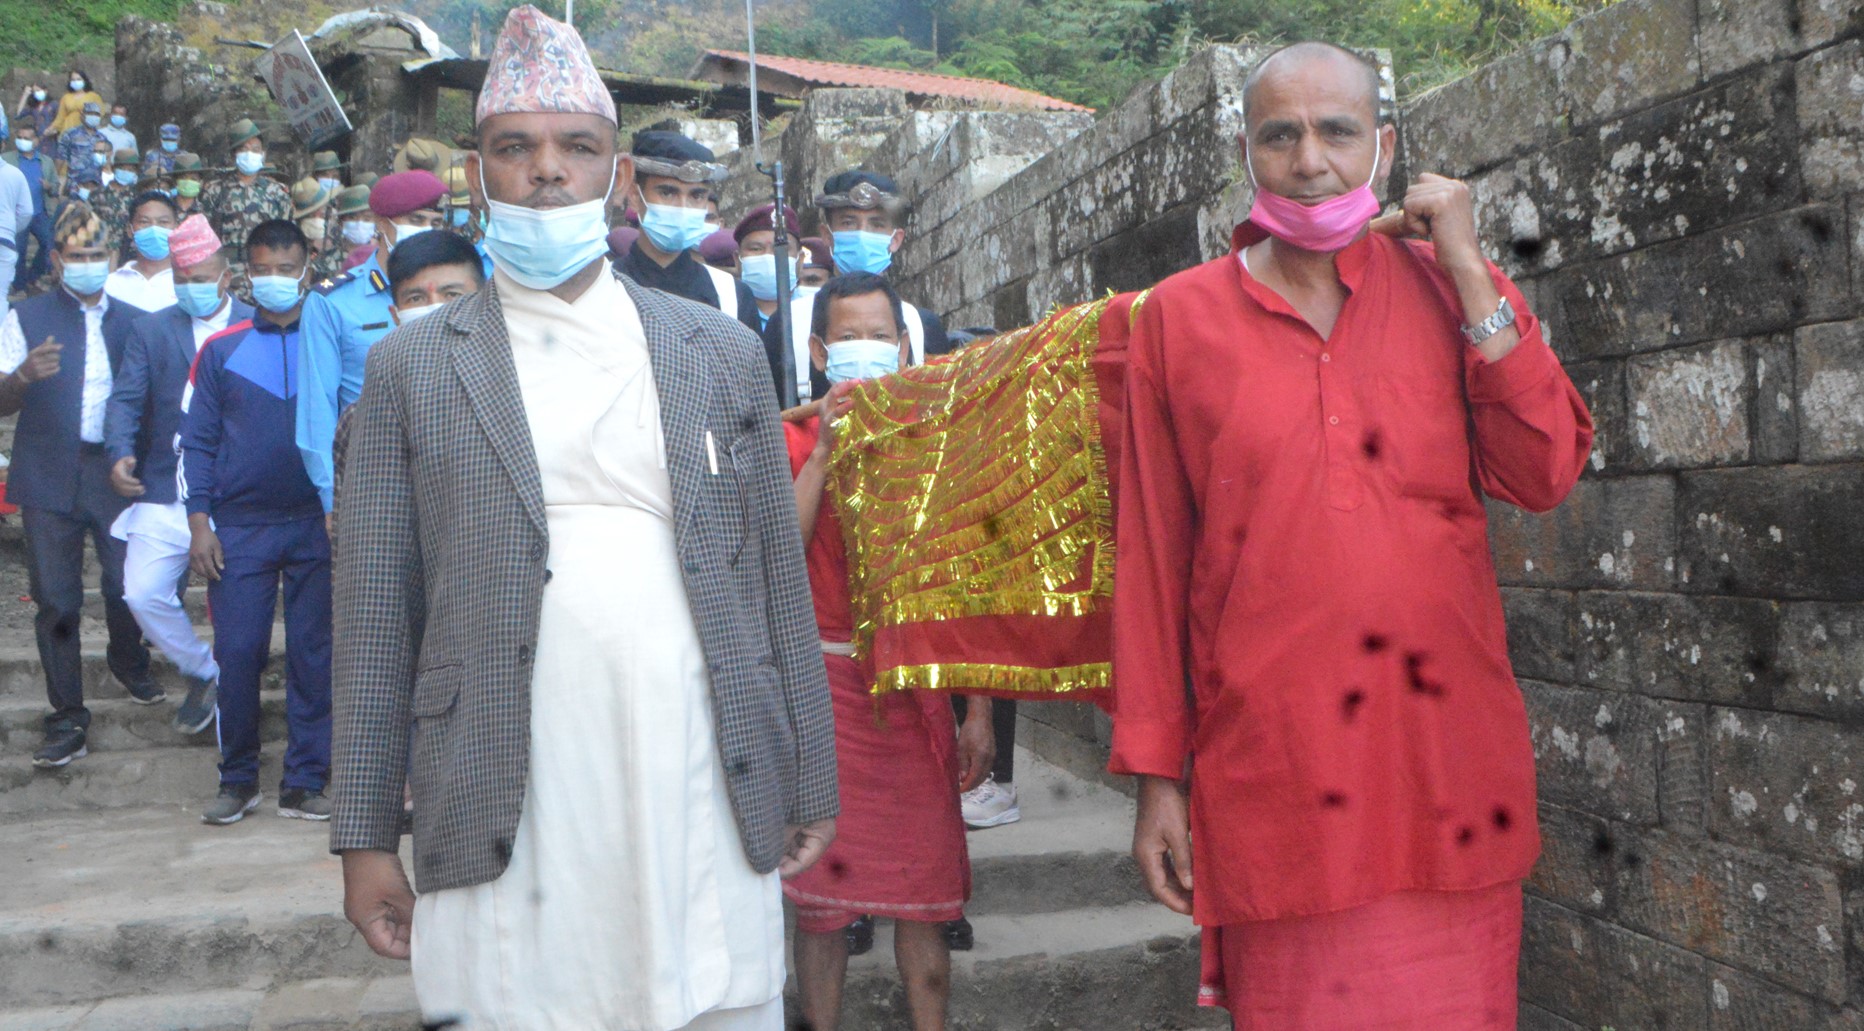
[959,937]
[62,744]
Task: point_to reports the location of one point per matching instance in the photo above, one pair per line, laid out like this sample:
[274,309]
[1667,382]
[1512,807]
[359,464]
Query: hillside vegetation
[1088,51]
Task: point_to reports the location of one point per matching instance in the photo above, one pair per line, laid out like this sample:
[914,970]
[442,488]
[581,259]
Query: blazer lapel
[683,384]
[483,360]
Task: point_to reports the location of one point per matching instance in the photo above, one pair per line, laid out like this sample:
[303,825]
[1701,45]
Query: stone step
[119,725]
[139,902]
[327,1004]
[179,780]
[1129,967]
[150,901]
[21,674]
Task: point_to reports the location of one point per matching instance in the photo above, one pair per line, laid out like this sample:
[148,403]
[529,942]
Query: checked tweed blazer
[440,574]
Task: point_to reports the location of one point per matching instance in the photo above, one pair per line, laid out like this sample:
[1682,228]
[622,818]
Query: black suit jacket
[145,398]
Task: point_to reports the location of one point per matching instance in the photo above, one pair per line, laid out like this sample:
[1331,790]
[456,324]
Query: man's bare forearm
[12,394]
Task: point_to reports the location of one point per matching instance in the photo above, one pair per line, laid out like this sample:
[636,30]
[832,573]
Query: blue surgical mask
[542,248]
[861,359]
[171,146]
[759,272]
[77,85]
[276,293]
[85,277]
[333,185]
[861,251]
[249,162]
[100,160]
[93,121]
[118,121]
[152,242]
[675,229]
[458,217]
[25,146]
[403,316]
[125,177]
[84,193]
[198,299]
[357,232]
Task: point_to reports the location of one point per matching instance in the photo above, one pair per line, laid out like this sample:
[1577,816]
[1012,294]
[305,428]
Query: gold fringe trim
[968,676]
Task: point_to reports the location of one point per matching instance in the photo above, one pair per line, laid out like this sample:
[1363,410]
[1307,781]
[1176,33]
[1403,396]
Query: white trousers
[9,261]
[152,567]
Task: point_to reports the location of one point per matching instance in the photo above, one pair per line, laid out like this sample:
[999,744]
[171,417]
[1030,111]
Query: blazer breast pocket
[436,689]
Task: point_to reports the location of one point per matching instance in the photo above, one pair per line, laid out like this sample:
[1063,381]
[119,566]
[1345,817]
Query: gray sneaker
[196,712]
[300,804]
[232,804]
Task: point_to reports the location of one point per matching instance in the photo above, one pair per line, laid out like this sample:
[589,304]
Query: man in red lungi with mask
[1311,671]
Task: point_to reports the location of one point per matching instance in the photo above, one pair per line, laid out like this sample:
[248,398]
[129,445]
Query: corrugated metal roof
[829,73]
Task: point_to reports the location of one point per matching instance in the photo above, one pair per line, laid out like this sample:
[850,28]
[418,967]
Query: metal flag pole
[786,361]
[569,12]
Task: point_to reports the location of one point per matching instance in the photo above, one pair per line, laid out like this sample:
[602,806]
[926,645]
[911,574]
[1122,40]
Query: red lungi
[899,848]
[1413,960]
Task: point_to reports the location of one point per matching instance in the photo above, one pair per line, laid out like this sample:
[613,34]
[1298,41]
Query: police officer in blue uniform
[344,316]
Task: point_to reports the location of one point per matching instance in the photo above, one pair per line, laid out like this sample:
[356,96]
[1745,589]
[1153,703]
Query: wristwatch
[1503,318]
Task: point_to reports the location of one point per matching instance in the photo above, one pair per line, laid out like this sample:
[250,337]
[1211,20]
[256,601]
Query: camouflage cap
[326,161]
[126,156]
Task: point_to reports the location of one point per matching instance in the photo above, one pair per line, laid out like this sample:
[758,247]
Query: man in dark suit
[141,431]
[458,544]
[58,351]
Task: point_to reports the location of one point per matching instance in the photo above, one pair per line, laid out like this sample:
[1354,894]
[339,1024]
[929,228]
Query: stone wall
[1678,185]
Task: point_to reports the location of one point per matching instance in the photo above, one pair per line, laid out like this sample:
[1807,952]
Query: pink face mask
[1327,226]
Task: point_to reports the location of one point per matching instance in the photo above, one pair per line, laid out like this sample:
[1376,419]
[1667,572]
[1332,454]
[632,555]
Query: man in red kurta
[1311,672]
[899,849]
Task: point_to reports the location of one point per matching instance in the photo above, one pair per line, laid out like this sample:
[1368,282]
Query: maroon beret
[719,250]
[396,195]
[819,256]
[621,241]
[759,219]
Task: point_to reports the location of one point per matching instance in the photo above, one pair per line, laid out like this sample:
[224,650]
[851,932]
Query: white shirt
[96,392]
[120,139]
[15,202]
[150,293]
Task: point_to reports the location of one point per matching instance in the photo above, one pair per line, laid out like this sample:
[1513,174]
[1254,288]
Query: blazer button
[524,653]
[547,575]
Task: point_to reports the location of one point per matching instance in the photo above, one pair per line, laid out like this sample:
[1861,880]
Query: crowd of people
[567,598]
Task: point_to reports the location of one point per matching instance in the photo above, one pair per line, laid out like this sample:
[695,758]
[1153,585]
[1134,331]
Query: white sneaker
[990,804]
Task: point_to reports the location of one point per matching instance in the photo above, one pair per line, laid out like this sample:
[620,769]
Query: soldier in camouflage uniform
[310,208]
[112,203]
[351,206]
[237,202]
[75,149]
[189,174]
[161,158]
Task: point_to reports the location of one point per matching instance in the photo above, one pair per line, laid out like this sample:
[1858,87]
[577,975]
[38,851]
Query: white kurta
[628,904]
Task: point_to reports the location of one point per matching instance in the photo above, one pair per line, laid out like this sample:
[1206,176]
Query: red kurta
[1302,542]
[899,848]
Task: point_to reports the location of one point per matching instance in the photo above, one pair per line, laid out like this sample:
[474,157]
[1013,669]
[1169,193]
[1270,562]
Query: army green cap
[352,200]
[188,161]
[243,130]
[126,156]
[325,161]
[368,178]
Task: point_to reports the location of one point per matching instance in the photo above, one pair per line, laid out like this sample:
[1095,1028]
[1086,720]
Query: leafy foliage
[44,36]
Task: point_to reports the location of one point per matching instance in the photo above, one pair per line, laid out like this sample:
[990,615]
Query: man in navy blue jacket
[142,432]
[58,352]
[255,516]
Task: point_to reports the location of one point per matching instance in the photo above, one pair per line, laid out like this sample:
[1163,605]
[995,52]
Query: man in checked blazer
[446,551]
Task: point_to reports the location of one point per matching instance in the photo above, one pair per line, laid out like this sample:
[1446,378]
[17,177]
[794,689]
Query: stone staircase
[120,911]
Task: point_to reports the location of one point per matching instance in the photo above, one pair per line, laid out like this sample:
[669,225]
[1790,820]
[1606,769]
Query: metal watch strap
[1503,318]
